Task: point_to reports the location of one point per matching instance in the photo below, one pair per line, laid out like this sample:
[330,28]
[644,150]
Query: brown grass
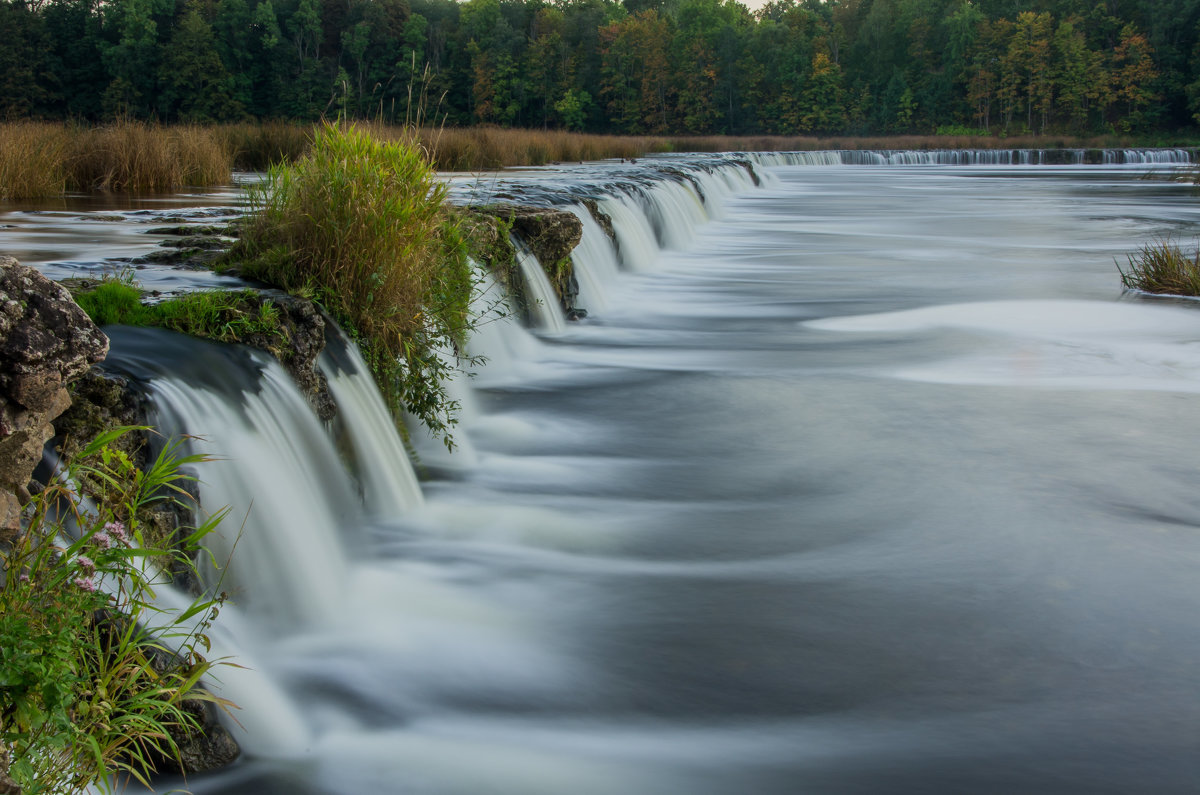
[476,148]
[32,160]
[1163,267]
[257,147]
[138,157]
[40,159]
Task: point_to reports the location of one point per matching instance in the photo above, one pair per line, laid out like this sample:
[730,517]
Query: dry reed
[32,160]
[1163,267]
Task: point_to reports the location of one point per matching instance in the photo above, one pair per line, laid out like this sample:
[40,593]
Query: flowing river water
[865,480]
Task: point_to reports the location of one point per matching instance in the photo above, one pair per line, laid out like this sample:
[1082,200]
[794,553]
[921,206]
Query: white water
[289,566]
[542,302]
[595,262]
[635,236]
[388,484]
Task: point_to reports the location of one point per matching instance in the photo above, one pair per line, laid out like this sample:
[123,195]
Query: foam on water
[1051,344]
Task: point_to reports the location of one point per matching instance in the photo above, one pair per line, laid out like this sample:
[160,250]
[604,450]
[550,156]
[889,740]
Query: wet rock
[602,218]
[202,242]
[297,347]
[46,341]
[551,235]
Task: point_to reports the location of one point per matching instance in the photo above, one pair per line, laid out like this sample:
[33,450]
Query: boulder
[46,341]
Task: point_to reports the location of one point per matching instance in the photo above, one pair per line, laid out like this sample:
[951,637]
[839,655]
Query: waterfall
[543,304]
[389,485]
[635,237]
[293,505]
[280,476]
[675,210]
[974,157]
[595,262]
[498,338]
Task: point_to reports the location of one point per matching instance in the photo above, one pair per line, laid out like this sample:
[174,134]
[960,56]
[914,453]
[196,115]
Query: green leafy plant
[1162,267]
[362,226]
[94,675]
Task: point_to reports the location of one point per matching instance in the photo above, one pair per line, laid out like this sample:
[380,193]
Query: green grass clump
[220,315]
[362,226]
[1163,267]
[93,676]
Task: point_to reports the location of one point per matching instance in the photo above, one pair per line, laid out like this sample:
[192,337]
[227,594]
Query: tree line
[627,66]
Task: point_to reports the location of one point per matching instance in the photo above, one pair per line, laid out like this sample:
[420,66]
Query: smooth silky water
[873,483]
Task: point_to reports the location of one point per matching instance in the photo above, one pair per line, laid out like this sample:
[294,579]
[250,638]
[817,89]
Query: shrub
[93,676]
[1162,267]
[362,226]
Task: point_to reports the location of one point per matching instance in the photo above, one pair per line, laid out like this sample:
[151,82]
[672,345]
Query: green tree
[197,86]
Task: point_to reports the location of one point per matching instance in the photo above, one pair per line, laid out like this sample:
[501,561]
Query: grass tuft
[1163,267]
[362,226]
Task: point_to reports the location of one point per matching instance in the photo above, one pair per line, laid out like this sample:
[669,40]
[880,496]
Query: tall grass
[257,147]
[40,159]
[140,157]
[33,156]
[362,226]
[1163,267]
[476,148]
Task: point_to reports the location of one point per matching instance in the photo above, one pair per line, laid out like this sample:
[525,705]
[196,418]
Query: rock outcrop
[551,235]
[46,341]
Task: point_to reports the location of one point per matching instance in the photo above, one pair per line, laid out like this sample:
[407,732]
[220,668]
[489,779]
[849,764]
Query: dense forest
[635,66]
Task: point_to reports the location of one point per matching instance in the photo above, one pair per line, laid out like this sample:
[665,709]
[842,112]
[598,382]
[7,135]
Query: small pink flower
[85,563]
[102,540]
[86,584]
[23,578]
[117,529]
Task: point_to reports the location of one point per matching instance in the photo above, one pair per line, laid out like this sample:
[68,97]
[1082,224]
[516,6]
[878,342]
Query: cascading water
[675,210]
[245,410]
[635,236]
[595,261]
[542,302]
[389,485]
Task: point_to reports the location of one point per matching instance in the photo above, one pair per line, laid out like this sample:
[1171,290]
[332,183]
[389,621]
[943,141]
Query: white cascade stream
[289,564]
[389,484]
[635,236]
[543,303]
[595,261]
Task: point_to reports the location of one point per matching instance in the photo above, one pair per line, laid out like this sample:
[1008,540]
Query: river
[871,482]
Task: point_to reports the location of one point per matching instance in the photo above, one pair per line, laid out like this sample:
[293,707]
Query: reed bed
[32,160]
[40,159]
[139,157]
[258,146]
[478,148]
[1163,267]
